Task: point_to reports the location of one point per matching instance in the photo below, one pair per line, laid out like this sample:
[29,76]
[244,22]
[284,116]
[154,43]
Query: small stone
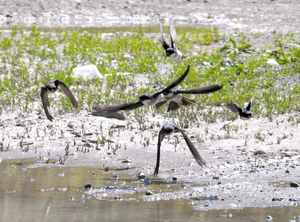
[141,176]
[268,218]
[287,171]
[87,186]
[277,199]
[216,178]
[127,161]
[292,45]
[86,72]
[293,184]
[174,178]
[272,62]
[115,177]
[259,152]
[149,192]
[72,198]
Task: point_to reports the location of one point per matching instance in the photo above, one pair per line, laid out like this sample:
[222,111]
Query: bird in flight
[169,128]
[244,113]
[171,51]
[177,100]
[143,99]
[52,87]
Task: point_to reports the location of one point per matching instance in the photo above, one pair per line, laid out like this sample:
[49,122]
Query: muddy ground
[251,166]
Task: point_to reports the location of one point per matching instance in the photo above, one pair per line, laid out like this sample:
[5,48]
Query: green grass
[31,58]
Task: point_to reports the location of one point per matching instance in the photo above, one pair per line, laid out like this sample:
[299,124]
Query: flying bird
[143,99]
[171,51]
[52,87]
[169,128]
[244,113]
[177,100]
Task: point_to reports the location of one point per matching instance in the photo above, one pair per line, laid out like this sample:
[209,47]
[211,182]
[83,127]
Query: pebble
[87,186]
[268,218]
[115,177]
[141,176]
[149,192]
[293,184]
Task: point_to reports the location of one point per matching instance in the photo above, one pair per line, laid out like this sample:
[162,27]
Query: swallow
[244,113]
[171,51]
[143,99]
[52,87]
[177,100]
[169,128]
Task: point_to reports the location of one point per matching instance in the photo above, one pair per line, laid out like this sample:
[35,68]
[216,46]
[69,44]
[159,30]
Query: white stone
[86,72]
[272,62]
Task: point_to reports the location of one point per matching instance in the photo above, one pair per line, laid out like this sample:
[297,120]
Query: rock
[277,199]
[268,218]
[86,72]
[292,45]
[149,192]
[115,177]
[141,176]
[215,178]
[293,184]
[272,62]
[127,161]
[174,178]
[259,152]
[87,186]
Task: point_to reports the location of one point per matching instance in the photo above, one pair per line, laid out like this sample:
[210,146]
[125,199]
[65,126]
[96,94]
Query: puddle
[37,192]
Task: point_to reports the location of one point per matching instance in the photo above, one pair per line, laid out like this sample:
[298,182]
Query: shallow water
[45,192]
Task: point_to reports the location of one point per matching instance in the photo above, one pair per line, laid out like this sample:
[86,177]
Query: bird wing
[165,45]
[200,90]
[67,92]
[117,107]
[172,34]
[234,108]
[160,104]
[161,136]
[46,105]
[192,148]
[177,82]
[250,104]
[173,106]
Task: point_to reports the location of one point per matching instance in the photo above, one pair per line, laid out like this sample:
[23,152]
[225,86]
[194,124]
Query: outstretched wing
[250,104]
[177,82]
[67,92]
[173,34]
[160,104]
[173,106]
[165,45]
[200,90]
[192,148]
[46,105]
[117,107]
[234,108]
[161,136]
